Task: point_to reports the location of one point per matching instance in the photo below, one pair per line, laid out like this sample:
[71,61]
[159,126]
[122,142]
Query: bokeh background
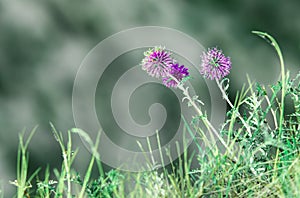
[42,44]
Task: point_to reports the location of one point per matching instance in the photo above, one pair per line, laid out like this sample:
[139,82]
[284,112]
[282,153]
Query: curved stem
[274,43]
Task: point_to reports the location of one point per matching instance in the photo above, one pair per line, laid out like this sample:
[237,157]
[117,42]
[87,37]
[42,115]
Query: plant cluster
[260,155]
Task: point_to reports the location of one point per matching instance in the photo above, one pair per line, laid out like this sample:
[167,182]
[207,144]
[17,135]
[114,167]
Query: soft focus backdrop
[42,44]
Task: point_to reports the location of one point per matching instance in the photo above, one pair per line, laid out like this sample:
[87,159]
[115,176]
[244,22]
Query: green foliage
[103,186]
[261,157]
[294,92]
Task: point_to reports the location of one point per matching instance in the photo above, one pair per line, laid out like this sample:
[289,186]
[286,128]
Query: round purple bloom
[215,65]
[157,61]
[177,72]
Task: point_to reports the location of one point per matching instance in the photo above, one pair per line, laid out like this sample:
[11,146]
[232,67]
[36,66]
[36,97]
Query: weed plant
[261,157]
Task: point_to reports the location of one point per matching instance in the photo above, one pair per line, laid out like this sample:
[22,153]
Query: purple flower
[157,61]
[176,72]
[215,65]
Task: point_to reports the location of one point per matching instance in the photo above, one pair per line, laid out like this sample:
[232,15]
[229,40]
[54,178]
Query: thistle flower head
[157,61]
[215,65]
[177,72]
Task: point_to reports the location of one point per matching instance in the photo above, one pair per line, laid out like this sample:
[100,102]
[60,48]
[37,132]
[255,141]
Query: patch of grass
[261,157]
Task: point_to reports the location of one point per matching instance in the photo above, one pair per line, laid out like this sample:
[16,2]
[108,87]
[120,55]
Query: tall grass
[261,157]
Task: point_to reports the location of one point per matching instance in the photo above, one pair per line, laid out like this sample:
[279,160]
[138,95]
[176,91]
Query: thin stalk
[66,153]
[199,112]
[66,165]
[274,43]
[272,111]
[87,138]
[232,106]
[89,170]
[151,164]
[207,142]
[161,155]
[22,165]
[151,151]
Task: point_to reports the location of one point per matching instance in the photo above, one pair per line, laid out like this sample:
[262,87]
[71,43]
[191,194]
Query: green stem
[232,106]
[204,118]
[274,43]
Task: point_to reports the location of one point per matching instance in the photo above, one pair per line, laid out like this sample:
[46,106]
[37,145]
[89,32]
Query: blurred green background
[42,44]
